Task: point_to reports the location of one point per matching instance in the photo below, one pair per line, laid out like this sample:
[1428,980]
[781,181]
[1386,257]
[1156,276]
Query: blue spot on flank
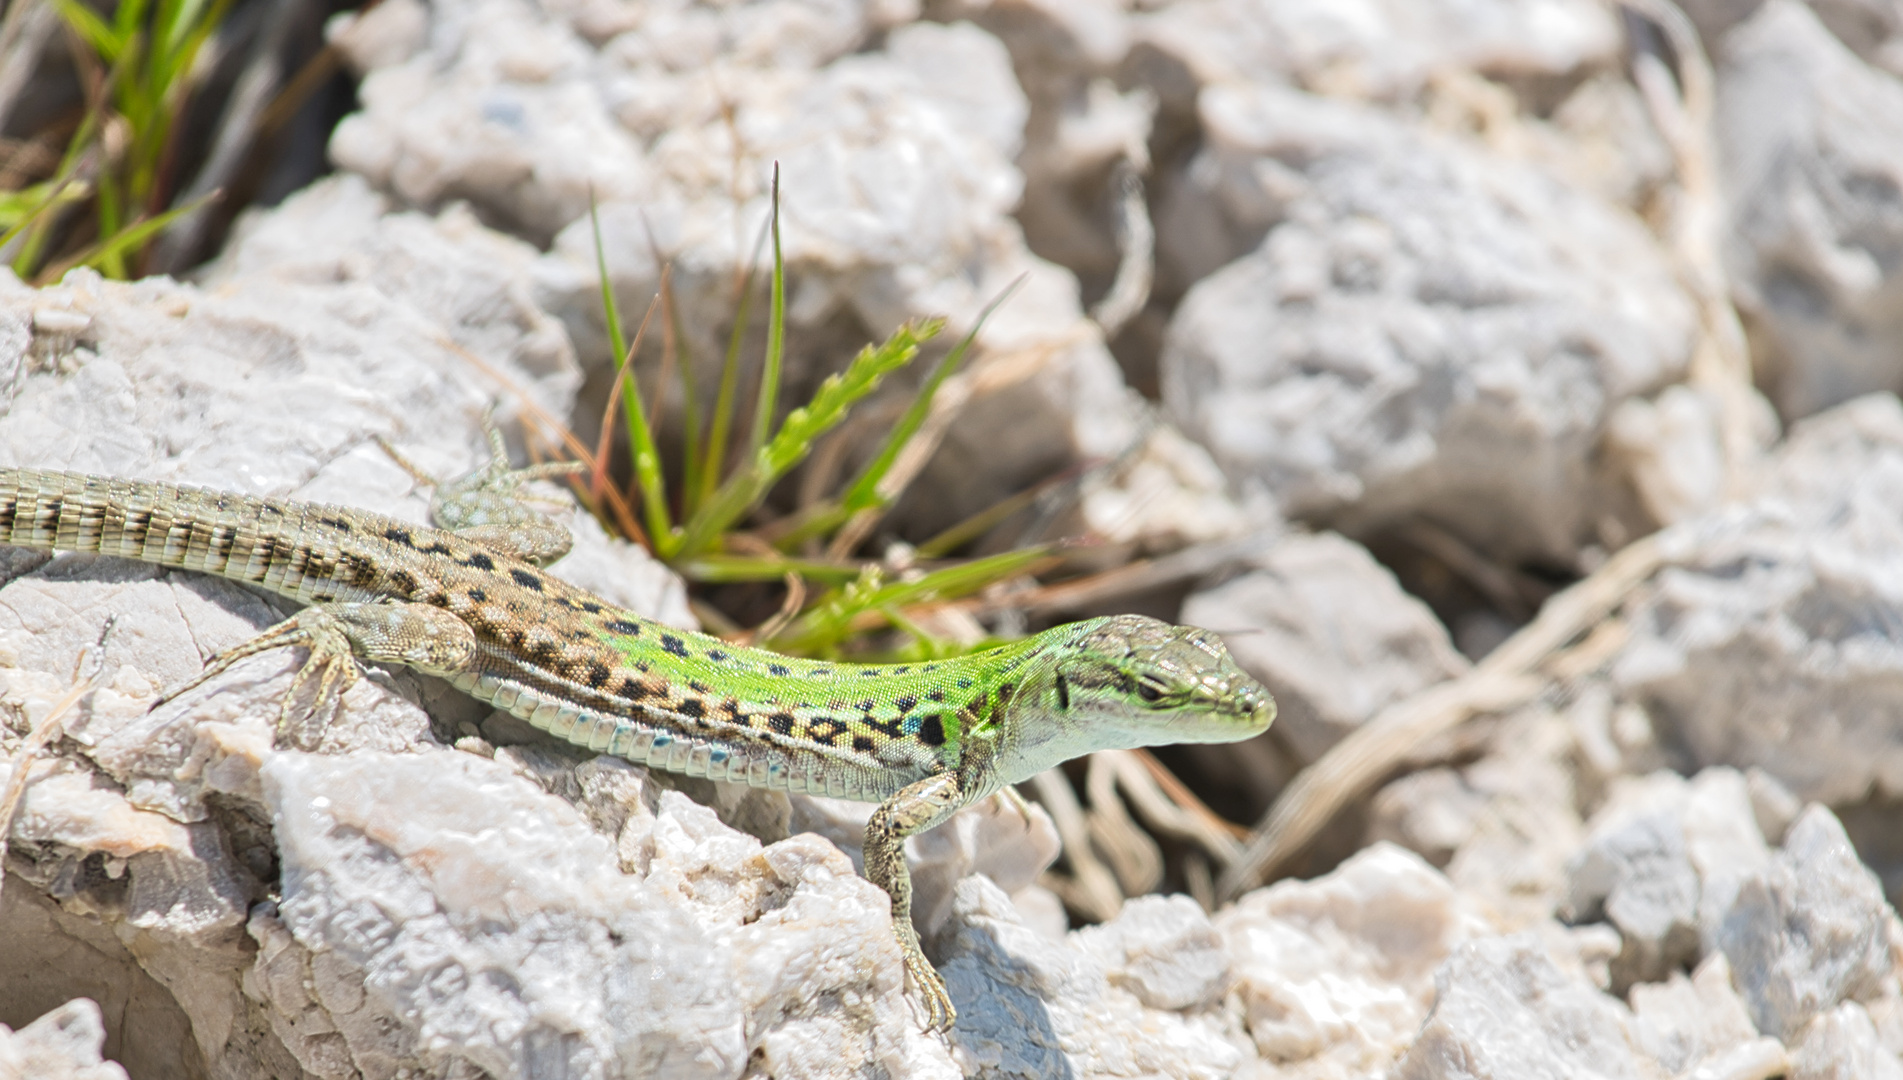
[719,756]
[663,740]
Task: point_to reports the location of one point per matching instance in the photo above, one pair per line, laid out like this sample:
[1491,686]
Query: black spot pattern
[477,560]
[526,579]
[674,645]
[863,743]
[597,675]
[399,537]
[931,730]
[623,626]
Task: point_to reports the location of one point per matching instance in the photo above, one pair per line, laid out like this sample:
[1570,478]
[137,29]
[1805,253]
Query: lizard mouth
[1243,713]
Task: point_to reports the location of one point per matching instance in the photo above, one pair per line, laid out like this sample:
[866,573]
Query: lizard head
[1127,681]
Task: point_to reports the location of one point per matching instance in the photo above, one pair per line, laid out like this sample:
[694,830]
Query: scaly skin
[473,606]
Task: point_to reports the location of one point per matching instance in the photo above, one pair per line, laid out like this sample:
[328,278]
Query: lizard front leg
[916,808]
[418,636]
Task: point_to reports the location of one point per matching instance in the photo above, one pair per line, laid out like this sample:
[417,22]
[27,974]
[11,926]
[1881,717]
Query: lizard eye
[1149,691]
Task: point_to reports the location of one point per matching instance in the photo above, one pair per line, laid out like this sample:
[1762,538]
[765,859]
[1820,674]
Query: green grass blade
[864,493]
[720,428]
[644,455]
[769,398]
[837,616]
[610,310]
[24,209]
[115,246]
[815,520]
[178,21]
[128,17]
[742,491]
[718,569]
[676,341]
[93,30]
[978,524]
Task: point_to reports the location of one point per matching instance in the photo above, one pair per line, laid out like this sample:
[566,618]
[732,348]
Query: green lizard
[470,603]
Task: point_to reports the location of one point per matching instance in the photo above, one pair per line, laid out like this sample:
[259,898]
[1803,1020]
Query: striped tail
[157,523]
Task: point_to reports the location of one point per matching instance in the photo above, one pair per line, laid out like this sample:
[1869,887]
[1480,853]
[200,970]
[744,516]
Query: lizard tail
[207,531]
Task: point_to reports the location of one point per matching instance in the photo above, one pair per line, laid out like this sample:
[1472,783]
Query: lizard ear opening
[1063,693]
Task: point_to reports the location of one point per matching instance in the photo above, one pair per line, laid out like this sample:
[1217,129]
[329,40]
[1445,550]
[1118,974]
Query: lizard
[469,602]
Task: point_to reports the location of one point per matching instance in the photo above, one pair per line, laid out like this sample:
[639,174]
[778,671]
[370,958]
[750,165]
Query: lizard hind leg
[338,635]
[489,507]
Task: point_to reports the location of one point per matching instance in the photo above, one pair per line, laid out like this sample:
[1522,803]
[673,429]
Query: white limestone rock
[62,1045]
[1503,827]
[1687,1022]
[1811,146]
[1420,331]
[1377,48]
[1663,864]
[1335,975]
[1869,28]
[1331,634]
[1808,931]
[1840,1045]
[476,283]
[1164,494]
[463,916]
[144,848]
[1066,55]
[1503,1008]
[1030,1007]
[1770,639]
[1164,950]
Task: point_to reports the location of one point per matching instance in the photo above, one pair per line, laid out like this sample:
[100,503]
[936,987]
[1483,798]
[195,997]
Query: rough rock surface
[61,1045]
[1663,862]
[1335,975]
[1422,331]
[1504,1008]
[1809,930]
[1330,633]
[1503,827]
[1379,48]
[1812,148]
[1772,638]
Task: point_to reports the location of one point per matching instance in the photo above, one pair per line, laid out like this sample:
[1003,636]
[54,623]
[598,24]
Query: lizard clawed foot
[940,1014]
[488,505]
[330,661]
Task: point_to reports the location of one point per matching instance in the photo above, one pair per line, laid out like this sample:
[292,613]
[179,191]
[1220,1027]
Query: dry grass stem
[37,740]
[1509,676]
[1090,889]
